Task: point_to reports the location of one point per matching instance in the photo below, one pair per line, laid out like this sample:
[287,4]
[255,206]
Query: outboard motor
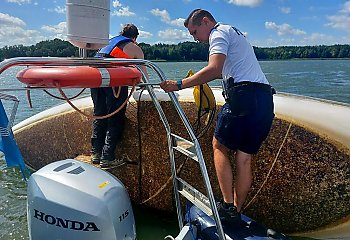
[70,199]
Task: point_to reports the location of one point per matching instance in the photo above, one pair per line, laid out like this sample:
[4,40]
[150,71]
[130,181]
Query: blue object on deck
[8,146]
[246,229]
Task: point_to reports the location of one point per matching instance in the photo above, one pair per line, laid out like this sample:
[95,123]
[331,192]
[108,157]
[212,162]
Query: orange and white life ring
[79,76]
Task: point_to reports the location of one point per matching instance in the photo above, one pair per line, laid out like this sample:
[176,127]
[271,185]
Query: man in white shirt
[245,119]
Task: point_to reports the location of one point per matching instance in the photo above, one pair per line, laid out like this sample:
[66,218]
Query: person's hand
[169,86]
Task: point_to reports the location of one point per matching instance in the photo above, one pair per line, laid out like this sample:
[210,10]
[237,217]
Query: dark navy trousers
[106,133]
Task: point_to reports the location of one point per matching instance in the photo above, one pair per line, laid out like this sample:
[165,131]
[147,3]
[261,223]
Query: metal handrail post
[169,139]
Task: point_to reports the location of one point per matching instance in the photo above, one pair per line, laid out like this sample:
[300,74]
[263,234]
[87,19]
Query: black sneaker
[95,158]
[228,213]
[107,164]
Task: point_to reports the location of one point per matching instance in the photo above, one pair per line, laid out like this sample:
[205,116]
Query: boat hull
[301,173]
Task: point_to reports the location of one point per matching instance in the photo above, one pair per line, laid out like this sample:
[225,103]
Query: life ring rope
[60,98]
[89,116]
[118,93]
[29,99]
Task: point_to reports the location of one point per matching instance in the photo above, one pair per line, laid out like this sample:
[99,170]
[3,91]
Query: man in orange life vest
[107,132]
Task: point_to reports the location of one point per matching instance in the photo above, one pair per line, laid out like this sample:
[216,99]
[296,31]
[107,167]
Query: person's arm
[210,72]
[135,51]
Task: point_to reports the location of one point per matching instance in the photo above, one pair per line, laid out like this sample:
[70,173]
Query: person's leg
[99,126]
[223,170]
[243,178]
[115,122]
[255,127]
[226,208]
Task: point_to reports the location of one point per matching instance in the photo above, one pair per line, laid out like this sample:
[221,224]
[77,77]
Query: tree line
[185,51]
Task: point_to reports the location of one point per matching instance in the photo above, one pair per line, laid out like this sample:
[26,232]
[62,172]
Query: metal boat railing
[206,203]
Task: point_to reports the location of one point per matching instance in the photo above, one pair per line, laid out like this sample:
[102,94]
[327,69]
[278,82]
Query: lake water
[327,79]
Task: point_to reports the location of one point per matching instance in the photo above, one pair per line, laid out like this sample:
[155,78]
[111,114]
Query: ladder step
[184,146]
[194,196]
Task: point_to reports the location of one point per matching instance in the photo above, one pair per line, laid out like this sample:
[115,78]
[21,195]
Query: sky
[266,23]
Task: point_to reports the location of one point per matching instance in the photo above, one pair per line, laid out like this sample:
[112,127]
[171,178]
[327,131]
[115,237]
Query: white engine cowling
[70,199]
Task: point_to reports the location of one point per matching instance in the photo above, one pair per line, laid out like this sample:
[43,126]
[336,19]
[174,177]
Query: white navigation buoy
[88,23]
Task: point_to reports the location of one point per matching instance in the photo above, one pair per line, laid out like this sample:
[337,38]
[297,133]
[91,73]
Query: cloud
[120,10]
[10,36]
[20,2]
[13,32]
[165,17]
[144,34]
[319,39]
[313,39]
[285,10]
[341,22]
[174,35]
[284,29]
[58,9]
[346,7]
[7,20]
[342,19]
[245,3]
[178,22]
[57,29]
[116,4]
[163,14]
[123,12]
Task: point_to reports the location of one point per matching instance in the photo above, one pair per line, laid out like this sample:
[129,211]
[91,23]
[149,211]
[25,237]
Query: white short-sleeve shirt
[241,63]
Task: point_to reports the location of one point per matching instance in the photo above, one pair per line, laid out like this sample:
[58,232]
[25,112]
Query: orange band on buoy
[79,77]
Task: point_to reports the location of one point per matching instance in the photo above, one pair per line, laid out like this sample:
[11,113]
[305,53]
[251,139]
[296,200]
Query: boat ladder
[192,150]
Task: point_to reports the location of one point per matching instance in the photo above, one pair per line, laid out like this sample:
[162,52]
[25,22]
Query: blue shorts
[246,133]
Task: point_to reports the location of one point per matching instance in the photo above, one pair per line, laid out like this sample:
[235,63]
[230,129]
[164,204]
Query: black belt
[231,83]
[232,86]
